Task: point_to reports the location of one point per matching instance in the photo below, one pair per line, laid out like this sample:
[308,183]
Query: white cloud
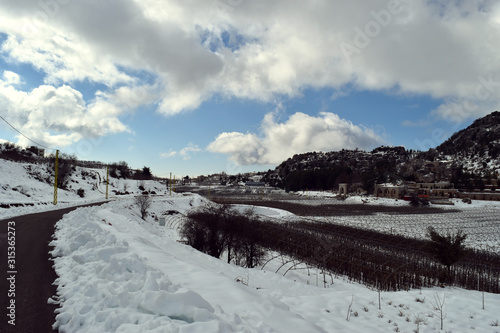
[56,117]
[10,79]
[171,153]
[259,49]
[132,97]
[242,148]
[185,152]
[299,134]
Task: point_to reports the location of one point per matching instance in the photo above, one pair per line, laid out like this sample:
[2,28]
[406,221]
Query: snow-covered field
[481,224]
[119,273]
[480,220]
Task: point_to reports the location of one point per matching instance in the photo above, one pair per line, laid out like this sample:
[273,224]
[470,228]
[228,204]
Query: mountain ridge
[467,159]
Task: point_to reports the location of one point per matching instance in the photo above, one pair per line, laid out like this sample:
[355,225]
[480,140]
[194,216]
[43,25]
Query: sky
[206,86]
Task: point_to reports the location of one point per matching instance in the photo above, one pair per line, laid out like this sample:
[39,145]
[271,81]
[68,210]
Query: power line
[15,129]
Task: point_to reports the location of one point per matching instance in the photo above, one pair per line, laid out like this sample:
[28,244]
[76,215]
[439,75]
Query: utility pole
[107,180]
[170,193]
[56,169]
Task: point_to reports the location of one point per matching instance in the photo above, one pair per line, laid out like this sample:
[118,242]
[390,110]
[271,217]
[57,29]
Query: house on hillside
[40,152]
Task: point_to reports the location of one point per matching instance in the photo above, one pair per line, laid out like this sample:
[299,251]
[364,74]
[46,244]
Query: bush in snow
[141,185]
[416,201]
[119,170]
[447,249]
[81,192]
[144,202]
[66,167]
[214,229]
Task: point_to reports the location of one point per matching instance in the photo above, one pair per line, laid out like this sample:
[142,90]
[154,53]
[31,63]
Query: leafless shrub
[438,307]
[215,228]
[418,321]
[144,202]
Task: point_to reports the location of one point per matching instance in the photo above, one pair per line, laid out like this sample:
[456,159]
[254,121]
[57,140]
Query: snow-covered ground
[24,183]
[118,273]
[479,219]
[323,197]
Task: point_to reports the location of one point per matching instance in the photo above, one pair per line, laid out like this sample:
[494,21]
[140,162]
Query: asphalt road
[27,272]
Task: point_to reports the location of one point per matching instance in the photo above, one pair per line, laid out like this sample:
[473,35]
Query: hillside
[27,184]
[469,159]
[323,171]
[476,147]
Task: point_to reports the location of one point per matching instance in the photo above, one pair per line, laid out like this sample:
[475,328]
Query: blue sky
[209,86]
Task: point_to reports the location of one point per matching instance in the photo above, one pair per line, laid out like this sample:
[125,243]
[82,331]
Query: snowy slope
[119,273]
[30,188]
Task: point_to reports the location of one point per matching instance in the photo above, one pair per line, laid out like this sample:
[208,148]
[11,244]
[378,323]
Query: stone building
[390,191]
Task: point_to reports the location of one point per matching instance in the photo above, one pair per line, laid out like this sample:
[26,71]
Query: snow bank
[105,286]
[119,273]
[263,211]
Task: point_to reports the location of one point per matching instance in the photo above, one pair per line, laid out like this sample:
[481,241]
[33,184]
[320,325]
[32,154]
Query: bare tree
[144,202]
[66,166]
[214,229]
[438,308]
[204,229]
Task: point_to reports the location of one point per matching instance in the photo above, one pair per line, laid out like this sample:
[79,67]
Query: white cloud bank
[299,134]
[256,49]
[56,117]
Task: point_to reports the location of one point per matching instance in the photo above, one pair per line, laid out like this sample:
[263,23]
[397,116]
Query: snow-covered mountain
[477,147]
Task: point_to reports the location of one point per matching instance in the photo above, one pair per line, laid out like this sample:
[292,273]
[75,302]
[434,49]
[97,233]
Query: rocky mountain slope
[476,148]
[469,159]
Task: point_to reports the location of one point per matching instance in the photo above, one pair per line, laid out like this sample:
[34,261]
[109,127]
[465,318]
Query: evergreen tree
[448,249]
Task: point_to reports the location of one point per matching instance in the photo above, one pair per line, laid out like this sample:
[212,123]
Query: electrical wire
[15,129]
